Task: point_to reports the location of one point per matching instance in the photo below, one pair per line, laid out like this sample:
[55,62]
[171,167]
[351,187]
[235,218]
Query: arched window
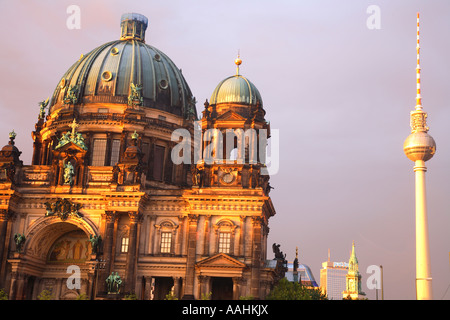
[123,239]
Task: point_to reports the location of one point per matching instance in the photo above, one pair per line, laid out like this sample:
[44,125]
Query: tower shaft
[420,147]
[423,268]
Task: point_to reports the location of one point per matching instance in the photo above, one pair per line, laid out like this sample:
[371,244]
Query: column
[206,235]
[147,289]
[256,258]
[241,251]
[13,286]
[236,287]
[423,269]
[130,268]
[4,217]
[190,260]
[176,287]
[109,217]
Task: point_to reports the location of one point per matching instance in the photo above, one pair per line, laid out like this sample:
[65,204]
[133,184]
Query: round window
[163,84]
[114,51]
[107,75]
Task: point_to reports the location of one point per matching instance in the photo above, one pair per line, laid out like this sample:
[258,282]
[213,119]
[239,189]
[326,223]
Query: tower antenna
[418,96]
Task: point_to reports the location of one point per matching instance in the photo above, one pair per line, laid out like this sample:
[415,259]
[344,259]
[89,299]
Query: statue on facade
[19,239]
[42,106]
[79,141]
[135,97]
[113,283]
[278,253]
[72,136]
[95,242]
[196,176]
[71,95]
[69,172]
[65,139]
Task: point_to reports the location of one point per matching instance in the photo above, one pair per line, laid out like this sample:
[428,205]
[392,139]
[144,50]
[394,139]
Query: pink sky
[339,93]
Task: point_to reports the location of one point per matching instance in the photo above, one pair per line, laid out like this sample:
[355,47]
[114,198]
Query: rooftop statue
[72,95]
[42,106]
[72,136]
[135,97]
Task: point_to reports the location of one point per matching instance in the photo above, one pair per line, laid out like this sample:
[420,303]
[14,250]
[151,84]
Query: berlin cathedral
[104,211]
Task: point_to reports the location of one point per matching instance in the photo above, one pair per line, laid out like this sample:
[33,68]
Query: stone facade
[102,169]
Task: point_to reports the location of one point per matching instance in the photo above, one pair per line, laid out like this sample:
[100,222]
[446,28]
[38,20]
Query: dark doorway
[222,288]
[28,290]
[163,285]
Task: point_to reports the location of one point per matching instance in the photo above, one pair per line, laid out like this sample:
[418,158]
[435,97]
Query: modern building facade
[304,275]
[103,199]
[333,278]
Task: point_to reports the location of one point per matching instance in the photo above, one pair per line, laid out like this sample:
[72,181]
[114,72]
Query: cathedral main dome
[113,71]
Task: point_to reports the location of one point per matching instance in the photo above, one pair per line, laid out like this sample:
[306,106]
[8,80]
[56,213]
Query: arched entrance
[56,260]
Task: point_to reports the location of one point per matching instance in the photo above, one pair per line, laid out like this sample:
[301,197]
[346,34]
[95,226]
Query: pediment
[70,146]
[220,260]
[231,115]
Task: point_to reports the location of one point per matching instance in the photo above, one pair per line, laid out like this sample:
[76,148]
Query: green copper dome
[114,71]
[237,90]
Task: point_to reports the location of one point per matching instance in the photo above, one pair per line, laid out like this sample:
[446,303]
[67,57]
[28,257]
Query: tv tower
[420,147]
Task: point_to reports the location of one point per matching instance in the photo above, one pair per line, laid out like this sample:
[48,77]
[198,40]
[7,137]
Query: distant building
[305,275]
[333,278]
[300,273]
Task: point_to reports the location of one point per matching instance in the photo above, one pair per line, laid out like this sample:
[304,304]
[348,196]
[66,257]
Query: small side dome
[236,90]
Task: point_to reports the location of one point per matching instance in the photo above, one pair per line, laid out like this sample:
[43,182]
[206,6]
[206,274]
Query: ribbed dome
[236,89]
[108,73]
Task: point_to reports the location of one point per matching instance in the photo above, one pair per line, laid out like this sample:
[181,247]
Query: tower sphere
[419,146]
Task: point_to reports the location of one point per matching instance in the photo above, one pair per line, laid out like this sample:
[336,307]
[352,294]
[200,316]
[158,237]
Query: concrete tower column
[423,268]
[419,147]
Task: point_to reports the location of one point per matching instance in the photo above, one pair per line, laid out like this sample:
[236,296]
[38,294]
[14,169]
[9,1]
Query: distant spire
[418,96]
[353,262]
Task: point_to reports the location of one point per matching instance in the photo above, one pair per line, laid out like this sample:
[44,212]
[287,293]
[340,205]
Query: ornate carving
[72,136]
[63,208]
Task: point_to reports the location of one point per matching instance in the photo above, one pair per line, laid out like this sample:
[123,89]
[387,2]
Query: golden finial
[237,62]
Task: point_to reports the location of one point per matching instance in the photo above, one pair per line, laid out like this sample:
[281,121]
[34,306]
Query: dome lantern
[133,26]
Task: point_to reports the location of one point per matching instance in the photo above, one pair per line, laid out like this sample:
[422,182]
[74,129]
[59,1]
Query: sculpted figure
[69,172]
